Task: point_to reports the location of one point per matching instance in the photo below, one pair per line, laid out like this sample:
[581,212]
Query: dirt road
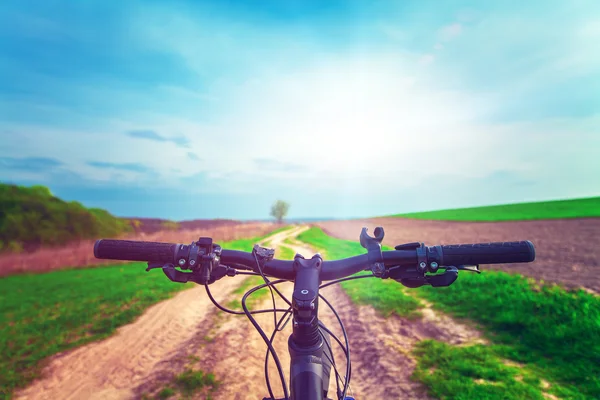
[143,357]
[110,369]
[380,348]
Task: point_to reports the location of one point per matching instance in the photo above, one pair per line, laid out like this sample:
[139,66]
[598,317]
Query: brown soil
[566,250]
[153,225]
[81,253]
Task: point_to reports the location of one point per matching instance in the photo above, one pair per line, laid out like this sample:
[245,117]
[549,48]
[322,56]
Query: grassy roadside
[44,314]
[553,333]
[576,208]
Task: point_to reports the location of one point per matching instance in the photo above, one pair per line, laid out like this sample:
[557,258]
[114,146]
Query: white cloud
[427,59]
[450,32]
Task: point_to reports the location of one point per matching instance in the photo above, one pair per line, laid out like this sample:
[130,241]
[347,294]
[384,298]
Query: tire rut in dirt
[381,364]
[235,353]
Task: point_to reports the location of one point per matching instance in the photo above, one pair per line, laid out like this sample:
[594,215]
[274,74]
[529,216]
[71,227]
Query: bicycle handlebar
[407,264]
[132,250]
[445,255]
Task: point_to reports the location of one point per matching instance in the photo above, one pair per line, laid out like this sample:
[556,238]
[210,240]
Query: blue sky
[197,109]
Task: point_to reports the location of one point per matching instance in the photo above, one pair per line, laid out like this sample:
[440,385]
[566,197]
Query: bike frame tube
[310,369]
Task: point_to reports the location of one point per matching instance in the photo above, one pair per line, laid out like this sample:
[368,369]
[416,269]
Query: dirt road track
[110,369]
[143,356]
[380,348]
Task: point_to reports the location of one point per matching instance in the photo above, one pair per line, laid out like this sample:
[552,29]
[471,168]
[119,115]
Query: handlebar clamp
[373,245]
[263,253]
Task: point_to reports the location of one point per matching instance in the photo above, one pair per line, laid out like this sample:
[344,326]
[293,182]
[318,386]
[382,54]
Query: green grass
[554,332]
[165,393]
[577,208]
[289,240]
[473,372]
[44,314]
[285,253]
[33,216]
[191,381]
[388,297]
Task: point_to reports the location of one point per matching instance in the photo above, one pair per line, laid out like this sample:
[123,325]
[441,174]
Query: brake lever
[154,265]
[414,278]
[445,279]
[472,268]
[175,275]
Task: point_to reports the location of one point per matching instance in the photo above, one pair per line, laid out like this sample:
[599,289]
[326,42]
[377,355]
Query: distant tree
[279,210]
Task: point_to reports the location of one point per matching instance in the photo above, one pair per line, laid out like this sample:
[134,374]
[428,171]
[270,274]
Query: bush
[33,217]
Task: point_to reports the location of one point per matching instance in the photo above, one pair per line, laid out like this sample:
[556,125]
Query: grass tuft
[473,372]
[166,393]
[191,381]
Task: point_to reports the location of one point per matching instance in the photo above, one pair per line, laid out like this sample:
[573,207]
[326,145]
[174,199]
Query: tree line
[31,217]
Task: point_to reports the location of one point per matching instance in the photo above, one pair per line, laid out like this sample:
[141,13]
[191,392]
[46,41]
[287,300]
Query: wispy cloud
[181,141]
[450,32]
[134,167]
[30,164]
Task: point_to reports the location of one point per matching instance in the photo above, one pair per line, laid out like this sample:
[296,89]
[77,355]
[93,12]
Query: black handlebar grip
[488,253]
[135,251]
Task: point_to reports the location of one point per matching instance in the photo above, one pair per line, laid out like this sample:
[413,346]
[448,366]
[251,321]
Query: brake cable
[254,253]
[269,342]
[263,335]
[267,379]
[332,361]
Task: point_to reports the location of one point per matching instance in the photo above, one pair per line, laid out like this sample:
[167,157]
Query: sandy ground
[110,369]
[143,357]
[380,348]
[566,250]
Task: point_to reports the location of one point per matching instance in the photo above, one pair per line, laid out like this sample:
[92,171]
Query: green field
[553,333]
[577,208]
[44,314]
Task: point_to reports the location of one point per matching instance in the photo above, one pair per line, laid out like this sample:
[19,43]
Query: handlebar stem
[305,300]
